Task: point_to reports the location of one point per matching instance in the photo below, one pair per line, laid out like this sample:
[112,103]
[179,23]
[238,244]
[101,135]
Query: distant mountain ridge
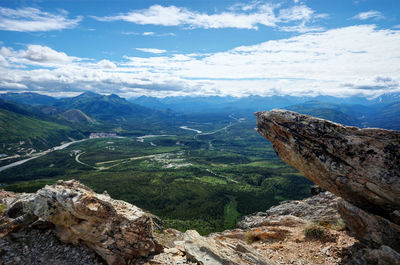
[29,98]
[378,115]
[382,111]
[253,103]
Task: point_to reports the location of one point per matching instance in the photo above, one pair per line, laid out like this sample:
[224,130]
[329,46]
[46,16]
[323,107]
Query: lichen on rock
[360,165]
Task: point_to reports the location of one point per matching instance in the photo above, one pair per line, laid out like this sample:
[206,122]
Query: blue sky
[220,47]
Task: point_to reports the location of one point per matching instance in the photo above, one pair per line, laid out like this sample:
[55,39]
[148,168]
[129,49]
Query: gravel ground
[42,247]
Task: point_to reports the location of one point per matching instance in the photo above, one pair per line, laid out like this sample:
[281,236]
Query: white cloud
[149,33]
[106,64]
[241,16]
[369,14]
[345,61]
[301,28]
[130,33]
[32,19]
[37,55]
[154,15]
[245,6]
[151,50]
[296,13]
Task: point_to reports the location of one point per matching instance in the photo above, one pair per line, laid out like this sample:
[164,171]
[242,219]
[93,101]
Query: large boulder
[116,230]
[360,165]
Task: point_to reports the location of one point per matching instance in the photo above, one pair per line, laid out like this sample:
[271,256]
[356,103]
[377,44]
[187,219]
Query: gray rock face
[321,208]
[382,256]
[206,250]
[116,230]
[359,165]
[370,229]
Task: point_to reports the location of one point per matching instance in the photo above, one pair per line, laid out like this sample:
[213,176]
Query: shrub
[251,237]
[2,208]
[315,231]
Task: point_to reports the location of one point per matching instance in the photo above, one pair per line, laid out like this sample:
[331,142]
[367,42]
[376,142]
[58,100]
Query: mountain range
[35,118]
[382,111]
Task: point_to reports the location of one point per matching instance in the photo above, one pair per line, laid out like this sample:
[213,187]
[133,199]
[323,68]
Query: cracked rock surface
[118,231]
[360,165]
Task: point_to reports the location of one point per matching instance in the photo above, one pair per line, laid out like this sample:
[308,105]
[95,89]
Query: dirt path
[123,161]
[80,162]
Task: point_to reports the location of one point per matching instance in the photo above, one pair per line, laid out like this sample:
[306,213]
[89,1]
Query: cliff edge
[360,165]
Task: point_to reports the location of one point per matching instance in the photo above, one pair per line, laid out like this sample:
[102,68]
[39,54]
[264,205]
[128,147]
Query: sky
[200,48]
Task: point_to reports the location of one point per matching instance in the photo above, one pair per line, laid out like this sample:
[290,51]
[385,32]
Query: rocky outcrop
[120,233]
[321,208]
[210,250]
[116,230]
[382,255]
[279,240]
[360,165]
[371,229]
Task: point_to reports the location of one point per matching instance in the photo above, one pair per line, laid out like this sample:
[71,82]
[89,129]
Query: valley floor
[203,177]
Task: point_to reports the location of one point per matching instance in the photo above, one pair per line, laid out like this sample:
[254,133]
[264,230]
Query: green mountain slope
[76,116]
[20,132]
[110,107]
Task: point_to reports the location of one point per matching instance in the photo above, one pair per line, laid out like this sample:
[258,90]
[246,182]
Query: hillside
[107,108]
[76,116]
[20,132]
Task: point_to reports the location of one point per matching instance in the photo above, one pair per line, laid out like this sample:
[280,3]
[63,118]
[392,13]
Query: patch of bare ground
[289,244]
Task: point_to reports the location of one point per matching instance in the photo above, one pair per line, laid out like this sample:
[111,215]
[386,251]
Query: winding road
[37,155]
[140,139]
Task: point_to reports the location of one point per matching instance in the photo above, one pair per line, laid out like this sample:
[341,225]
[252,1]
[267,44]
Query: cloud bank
[323,63]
